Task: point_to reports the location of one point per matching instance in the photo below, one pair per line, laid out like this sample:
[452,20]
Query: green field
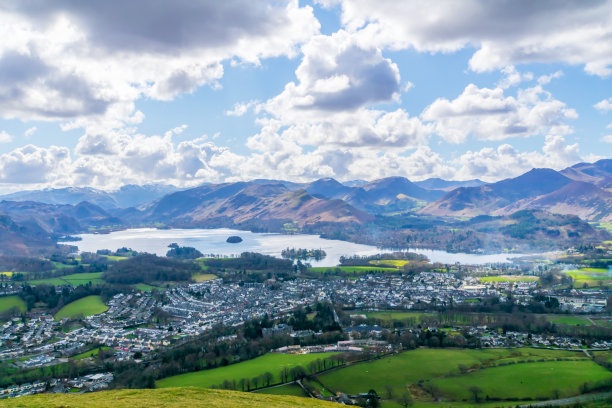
[114,257]
[87,306]
[398,263]
[351,269]
[247,369]
[166,398]
[9,302]
[396,315]
[144,287]
[569,320]
[509,278]
[74,279]
[202,277]
[537,380]
[90,353]
[427,365]
[591,277]
[287,389]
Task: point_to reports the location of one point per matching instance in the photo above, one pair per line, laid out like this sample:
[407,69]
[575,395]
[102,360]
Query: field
[351,269]
[509,278]
[90,353]
[484,367]
[591,277]
[87,306]
[539,380]
[74,279]
[396,315]
[9,302]
[166,398]
[247,369]
[569,320]
[288,389]
[144,287]
[201,277]
[398,263]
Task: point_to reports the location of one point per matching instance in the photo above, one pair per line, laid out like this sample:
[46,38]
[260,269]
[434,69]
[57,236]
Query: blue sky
[186,92]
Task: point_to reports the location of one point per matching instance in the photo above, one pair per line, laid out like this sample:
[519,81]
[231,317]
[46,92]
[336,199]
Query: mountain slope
[595,173]
[167,398]
[486,199]
[585,200]
[250,204]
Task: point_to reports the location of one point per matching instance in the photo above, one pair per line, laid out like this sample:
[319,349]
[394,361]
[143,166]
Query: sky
[106,93]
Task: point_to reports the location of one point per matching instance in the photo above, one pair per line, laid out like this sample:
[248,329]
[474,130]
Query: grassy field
[144,287]
[288,389]
[201,277]
[569,320]
[74,279]
[87,306]
[352,269]
[528,380]
[427,365]
[166,398]
[395,315]
[247,369]
[509,278]
[114,257]
[398,263]
[591,277]
[9,302]
[90,353]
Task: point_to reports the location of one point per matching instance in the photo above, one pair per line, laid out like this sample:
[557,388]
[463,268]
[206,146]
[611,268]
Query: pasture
[202,277]
[443,367]
[9,302]
[247,369]
[509,278]
[74,279]
[87,306]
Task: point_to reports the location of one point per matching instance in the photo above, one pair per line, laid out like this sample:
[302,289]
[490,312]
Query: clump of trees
[149,268]
[179,252]
[303,254]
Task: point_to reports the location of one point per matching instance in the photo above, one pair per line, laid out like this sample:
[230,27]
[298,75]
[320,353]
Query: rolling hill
[167,398]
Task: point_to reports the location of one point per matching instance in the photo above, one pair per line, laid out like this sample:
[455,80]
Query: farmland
[9,302]
[509,278]
[74,279]
[87,306]
[247,369]
[451,372]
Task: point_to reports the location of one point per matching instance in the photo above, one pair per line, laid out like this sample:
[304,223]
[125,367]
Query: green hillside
[167,398]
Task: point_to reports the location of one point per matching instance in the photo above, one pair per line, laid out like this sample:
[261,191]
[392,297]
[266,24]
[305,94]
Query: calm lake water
[212,241]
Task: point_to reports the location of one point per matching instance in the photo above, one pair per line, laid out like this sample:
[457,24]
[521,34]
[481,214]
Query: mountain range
[324,206]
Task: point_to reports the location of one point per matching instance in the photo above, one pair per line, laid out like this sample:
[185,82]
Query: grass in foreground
[247,369]
[166,398]
[87,306]
[9,302]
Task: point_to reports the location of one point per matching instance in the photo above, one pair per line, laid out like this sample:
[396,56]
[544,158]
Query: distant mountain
[355,183]
[447,185]
[585,200]
[59,219]
[127,196]
[486,199]
[249,204]
[598,173]
[328,187]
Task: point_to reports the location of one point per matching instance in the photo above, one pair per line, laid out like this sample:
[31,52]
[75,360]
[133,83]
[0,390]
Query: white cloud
[30,131]
[545,79]
[32,164]
[240,108]
[504,33]
[491,164]
[604,105]
[488,114]
[607,139]
[86,65]
[5,137]
[513,77]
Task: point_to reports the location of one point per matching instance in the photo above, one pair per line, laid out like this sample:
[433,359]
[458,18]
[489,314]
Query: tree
[475,391]
[268,378]
[406,399]
[389,390]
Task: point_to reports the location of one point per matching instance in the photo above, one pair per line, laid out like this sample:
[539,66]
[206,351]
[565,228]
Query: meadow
[389,315]
[89,353]
[74,279]
[509,278]
[166,398]
[351,269]
[87,306]
[421,368]
[247,369]
[9,302]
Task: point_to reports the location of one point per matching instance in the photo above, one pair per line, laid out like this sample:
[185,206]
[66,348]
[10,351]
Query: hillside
[250,204]
[585,200]
[486,199]
[167,398]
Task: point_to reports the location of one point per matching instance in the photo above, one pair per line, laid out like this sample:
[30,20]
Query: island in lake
[234,239]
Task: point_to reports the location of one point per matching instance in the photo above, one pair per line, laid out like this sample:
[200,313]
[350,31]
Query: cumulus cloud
[607,139]
[5,137]
[604,105]
[74,62]
[30,131]
[549,31]
[492,164]
[32,164]
[488,114]
[240,108]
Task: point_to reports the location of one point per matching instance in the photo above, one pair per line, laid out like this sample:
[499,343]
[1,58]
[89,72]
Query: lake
[212,241]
